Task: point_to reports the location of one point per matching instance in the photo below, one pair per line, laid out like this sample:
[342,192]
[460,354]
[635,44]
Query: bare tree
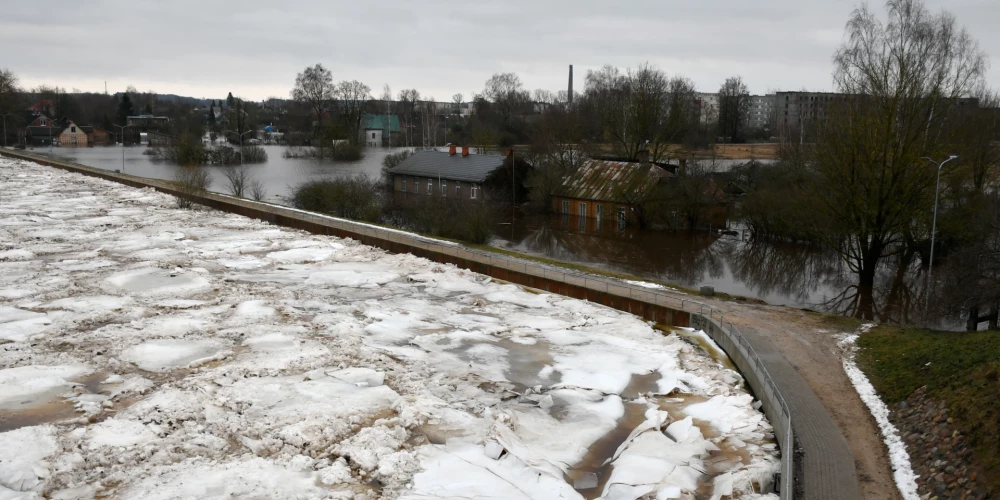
[408,100]
[354,97]
[257,190]
[734,105]
[430,122]
[632,108]
[507,94]
[238,178]
[457,100]
[980,124]
[901,80]
[192,181]
[314,88]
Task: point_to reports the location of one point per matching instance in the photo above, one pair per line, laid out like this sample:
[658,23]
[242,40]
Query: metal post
[930,265]
[122,128]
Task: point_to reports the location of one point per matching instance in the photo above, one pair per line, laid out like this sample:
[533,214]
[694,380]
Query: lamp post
[5,115]
[241,142]
[122,128]
[937,189]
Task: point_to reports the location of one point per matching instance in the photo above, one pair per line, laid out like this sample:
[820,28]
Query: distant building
[97,136]
[72,136]
[373,129]
[444,174]
[148,121]
[797,113]
[760,115]
[708,107]
[602,189]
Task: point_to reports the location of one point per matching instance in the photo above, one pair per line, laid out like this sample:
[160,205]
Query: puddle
[641,384]
[710,349]
[50,410]
[153,281]
[597,459]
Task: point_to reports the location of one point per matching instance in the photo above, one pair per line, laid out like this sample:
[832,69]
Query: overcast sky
[255,48]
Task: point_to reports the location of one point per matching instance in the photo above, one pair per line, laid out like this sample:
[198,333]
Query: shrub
[254,154]
[192,181]
[346,152]
[358,198]
[184,151]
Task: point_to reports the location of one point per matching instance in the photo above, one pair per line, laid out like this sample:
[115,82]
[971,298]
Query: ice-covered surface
[203,354]
[902,471]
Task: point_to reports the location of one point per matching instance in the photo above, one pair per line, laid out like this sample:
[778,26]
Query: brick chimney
[465,151]
[451,150]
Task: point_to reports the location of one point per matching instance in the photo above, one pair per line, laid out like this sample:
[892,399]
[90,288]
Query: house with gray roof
[444,174]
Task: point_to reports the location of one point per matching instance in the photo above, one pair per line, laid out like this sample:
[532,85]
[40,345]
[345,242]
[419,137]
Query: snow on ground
[902,471]
[152,352]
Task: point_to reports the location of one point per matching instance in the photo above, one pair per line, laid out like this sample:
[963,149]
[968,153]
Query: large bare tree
[633,108]
[353,97]
[506,92]
[734,106]
[314,88]
[901,79]
[408,102]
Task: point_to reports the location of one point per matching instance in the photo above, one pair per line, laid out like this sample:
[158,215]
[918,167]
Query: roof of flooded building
[472,168]
[605,180]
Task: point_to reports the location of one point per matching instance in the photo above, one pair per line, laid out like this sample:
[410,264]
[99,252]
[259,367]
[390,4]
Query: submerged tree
[901,80]
[315,89]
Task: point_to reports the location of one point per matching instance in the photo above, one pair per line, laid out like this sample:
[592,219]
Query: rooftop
[602,180]
[472,168]
[377,122]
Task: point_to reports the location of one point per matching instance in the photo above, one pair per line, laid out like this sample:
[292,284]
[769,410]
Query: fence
[650,303]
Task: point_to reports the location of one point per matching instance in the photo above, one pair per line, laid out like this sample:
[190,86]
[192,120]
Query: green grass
[960,368]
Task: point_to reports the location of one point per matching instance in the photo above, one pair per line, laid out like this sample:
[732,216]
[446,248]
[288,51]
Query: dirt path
[810,345]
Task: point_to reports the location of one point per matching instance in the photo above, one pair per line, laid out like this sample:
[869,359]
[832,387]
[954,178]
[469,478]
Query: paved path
[827,469]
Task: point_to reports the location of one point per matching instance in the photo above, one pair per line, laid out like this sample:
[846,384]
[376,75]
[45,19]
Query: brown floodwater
[778,273]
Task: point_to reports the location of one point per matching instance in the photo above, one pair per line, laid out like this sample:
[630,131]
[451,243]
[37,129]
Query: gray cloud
[254,48]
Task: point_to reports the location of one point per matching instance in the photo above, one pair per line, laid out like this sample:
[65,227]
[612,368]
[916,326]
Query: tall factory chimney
[569,93]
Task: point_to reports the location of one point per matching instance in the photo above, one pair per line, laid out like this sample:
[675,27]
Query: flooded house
[450,174]
[609,189]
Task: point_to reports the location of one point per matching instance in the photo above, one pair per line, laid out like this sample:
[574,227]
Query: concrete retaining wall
[644,302]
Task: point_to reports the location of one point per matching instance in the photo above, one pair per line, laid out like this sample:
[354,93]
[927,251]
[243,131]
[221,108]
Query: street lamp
[937,189]
[241,142]
[122,128]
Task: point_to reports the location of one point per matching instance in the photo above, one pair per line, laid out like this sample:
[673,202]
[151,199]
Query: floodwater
[279,175]
[774,272]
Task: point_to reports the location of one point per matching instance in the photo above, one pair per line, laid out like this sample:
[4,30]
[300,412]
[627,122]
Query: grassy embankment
[960,368]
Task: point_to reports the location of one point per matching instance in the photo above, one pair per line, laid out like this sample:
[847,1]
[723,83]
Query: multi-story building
[708,107]
[797,113]
[760,115]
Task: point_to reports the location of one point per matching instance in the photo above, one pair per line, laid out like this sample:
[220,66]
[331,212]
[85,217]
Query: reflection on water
[777,273]
[279,175]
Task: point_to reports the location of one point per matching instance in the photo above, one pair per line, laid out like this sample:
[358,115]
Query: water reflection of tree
[673,257]
[793,271]
[896,296]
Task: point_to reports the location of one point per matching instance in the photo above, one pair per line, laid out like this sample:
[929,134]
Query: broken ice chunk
[493,449]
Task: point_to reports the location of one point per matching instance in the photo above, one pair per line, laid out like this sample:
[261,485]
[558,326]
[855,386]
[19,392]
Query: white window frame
[599,211]
[404,184]
[430,186]
[444,188]
[458,190]
[565,207]
[621,214]
[582,208]
[475,192]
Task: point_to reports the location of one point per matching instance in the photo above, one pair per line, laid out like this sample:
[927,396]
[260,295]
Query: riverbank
[944,397]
